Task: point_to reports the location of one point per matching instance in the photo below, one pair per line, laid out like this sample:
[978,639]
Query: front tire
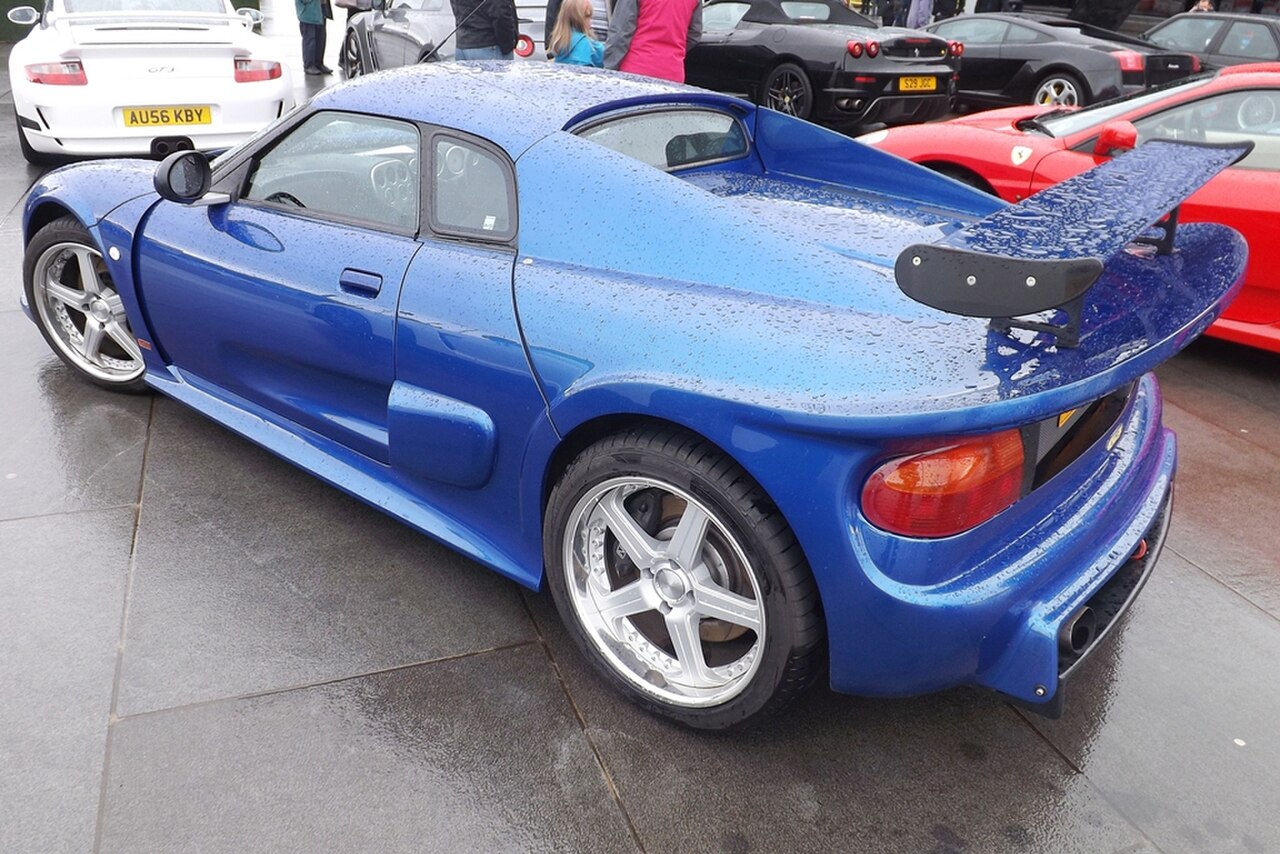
[787,89]
[680,581]
[77,308]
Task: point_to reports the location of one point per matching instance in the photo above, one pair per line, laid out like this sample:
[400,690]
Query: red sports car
[1015,152]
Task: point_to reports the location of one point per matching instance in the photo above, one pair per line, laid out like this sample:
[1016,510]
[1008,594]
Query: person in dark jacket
[487,29]
[311,16]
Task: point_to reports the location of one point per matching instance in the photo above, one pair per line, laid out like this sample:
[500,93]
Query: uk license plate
[184,114]
[918,84]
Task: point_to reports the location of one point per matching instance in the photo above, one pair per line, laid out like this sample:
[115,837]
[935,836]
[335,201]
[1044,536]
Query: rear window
[673,138]
[1248,40]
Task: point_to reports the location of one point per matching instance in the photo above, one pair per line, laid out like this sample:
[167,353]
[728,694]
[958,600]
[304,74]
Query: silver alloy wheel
[684,621]
[1058,92]
[83,314]
[787,94]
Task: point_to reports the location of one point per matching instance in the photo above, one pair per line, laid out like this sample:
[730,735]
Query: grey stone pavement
[204,649]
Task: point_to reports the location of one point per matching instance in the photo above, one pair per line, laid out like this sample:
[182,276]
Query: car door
[389,33]
[1243,196]
[982,78]
[285,297]
[1188,34]
[713,62]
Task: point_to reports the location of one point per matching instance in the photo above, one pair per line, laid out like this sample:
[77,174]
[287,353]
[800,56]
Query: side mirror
[183,176]
[1116,137]
[24,16]
[253,16]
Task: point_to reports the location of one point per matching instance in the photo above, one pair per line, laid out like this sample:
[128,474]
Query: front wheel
[680,580]
[1060,89]
[787,89]
[76,306]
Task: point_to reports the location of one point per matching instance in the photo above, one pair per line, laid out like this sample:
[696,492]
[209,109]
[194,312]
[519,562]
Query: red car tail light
[1130,60]
[955,48]
[855,49]
[948,490]
[1195,63]
[252,70]
[873,49]
[70,73]
[524,46]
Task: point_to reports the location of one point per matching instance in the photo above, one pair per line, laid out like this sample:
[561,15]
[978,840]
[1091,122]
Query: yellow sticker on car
[1065,417]
[917,84]
[184,114]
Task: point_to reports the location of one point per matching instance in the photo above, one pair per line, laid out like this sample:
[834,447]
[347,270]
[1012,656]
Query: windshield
[1067,123]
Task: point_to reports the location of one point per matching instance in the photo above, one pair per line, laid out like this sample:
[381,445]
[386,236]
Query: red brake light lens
[252,70]
[873,49]
[524,46]
[1130,60]
[955,48]
[1195,63]
[948,490]
[57,73]
[855,49]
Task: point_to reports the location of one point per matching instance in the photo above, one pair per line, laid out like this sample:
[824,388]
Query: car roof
[513,104]
[1226,16]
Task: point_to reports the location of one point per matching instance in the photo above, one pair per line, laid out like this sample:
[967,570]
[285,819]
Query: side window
[344,166]
[472,191]
[973,31]
[1022,35]
[672,139]
[1189,33]
[718,17]
[1230,117]
[1250,41]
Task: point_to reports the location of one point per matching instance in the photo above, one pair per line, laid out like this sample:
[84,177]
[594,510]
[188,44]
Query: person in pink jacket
[651,37]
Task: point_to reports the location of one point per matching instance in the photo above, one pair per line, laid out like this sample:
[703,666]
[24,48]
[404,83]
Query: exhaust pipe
[1078,632]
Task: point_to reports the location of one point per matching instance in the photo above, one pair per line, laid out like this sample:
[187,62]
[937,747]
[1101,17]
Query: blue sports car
[758,403]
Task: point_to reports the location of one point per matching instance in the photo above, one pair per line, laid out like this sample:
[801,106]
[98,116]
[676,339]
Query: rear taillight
[955,48]
[873,49]
[947,490]
[252,70]
[57,73]
[856,48]
[1195,63]
[1130,60]
[524,46]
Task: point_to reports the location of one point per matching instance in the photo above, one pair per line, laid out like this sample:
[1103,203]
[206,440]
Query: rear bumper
[1014,581]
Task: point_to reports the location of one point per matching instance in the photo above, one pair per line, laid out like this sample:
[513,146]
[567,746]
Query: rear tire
[352,60]
[1060,89]
[680,581]
[787,89]
[35,158]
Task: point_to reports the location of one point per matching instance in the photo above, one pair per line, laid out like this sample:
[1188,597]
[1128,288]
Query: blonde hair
[574,17]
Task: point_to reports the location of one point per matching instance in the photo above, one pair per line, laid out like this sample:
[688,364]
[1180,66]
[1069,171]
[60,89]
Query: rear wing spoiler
[1046,252]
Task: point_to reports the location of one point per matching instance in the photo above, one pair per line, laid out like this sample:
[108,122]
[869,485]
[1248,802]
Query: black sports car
[1219,39]
[391,33]
[1030,59]
[820,60]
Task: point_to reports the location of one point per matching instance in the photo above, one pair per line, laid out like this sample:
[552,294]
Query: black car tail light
[1130,60]
[955,48]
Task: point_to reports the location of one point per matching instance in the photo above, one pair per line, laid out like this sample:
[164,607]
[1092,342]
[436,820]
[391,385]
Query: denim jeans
[490,52]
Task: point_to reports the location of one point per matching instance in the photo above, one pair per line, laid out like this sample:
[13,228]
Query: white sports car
[108,77]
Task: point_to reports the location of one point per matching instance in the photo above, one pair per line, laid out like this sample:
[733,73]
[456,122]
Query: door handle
[360,283]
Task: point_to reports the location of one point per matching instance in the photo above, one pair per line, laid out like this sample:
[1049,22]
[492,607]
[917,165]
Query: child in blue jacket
[569,42]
